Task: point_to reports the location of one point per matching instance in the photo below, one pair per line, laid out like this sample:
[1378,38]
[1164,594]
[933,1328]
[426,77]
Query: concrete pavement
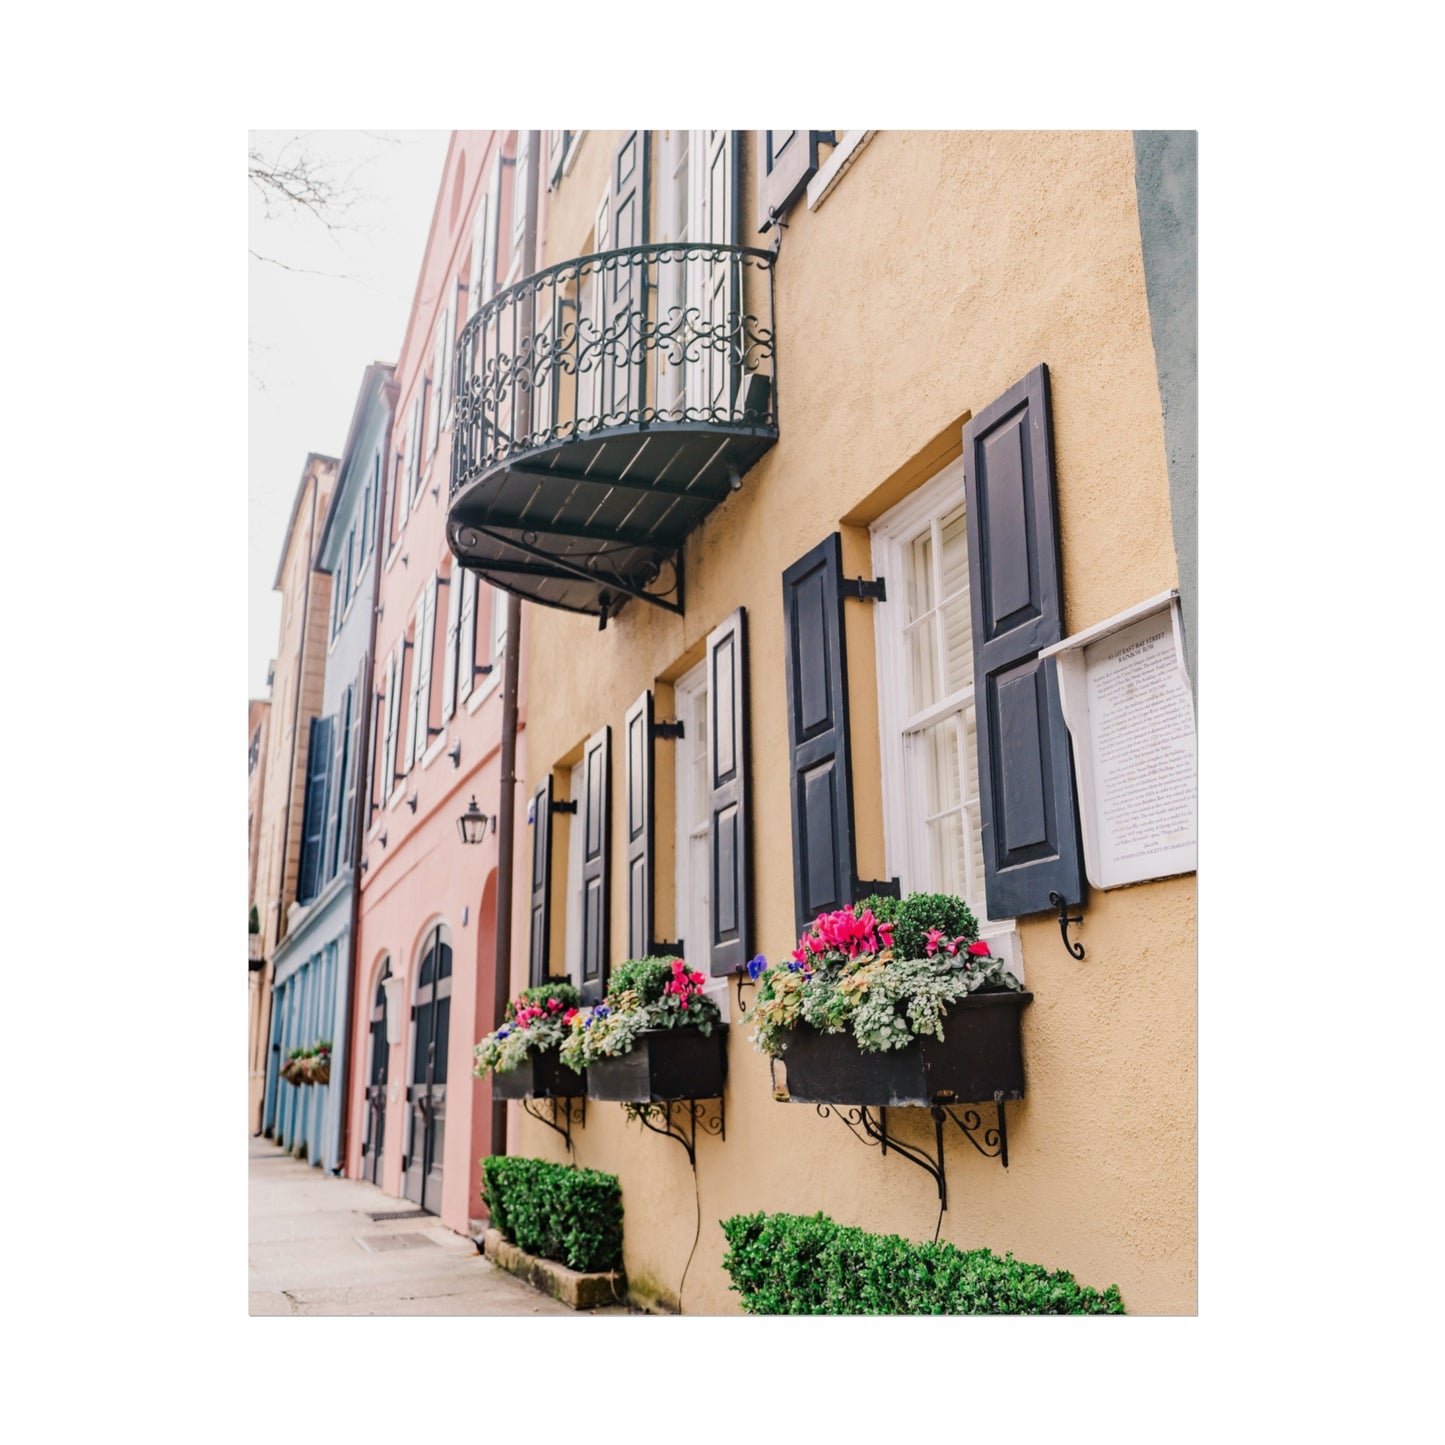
[315,1250]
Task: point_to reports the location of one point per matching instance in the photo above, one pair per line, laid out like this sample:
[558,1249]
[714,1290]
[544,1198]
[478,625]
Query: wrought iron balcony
[605,406]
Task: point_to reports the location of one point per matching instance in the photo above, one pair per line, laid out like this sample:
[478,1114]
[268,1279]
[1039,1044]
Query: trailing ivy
[556,1211]
[788,1264]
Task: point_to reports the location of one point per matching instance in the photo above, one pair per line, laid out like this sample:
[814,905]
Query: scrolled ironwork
[641,337]
[874,1133]
[572,1111]
[658,1117]
[995,1140]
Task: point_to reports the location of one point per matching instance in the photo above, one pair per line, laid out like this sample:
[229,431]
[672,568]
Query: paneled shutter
[449,654]
[787,161]
[541,922]
[313,823]
[467,638]
[368,776]
[408,747]
[381,786]
[820,766]
[425,645]
[729,855]
[595,816]
[393,712]
[638,732]
[491,231]
[1030,816]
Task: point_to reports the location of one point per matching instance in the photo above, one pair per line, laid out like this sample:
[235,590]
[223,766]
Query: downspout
[511,659]
[268,992]
[360,822]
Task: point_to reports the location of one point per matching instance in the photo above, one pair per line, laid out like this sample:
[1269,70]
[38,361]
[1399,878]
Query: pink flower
[800,954]
[935,937]
[569,1015]
[885,932]
[979,949]
[817,944]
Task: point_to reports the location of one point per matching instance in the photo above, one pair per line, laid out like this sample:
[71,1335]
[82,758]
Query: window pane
[957,622]
[921,651]
[939,756]
[945,852]
[919,558]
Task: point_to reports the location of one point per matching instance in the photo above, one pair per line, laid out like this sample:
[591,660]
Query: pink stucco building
[419,1122]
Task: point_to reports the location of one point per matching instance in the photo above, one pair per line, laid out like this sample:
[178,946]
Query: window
[926,694]
[499,628]
[692,783]
[572,952]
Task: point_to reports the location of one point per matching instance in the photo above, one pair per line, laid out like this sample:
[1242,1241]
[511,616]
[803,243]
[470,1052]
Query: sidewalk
[315,1250]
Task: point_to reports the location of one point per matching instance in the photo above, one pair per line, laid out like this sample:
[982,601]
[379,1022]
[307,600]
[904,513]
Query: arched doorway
[426,1093]
[375,1138]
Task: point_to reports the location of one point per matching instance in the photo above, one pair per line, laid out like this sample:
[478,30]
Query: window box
[979,1058]
[542,1076]
[663,1064]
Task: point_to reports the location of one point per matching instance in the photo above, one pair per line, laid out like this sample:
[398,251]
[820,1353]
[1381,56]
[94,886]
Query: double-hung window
[928,724]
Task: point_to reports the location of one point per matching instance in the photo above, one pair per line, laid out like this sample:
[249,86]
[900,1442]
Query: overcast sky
[324,304]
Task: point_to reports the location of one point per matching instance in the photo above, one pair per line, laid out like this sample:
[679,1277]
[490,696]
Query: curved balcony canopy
[605,406]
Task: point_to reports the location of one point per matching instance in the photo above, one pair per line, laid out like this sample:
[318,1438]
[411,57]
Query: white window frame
[499,628]
[692,908]
[891,536]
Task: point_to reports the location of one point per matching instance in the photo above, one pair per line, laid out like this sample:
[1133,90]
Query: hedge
[556,1211]
[788,1264]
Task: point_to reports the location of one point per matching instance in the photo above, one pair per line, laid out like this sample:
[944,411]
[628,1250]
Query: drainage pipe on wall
[511,657]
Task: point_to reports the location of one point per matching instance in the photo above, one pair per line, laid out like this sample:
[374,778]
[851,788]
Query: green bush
[788,1264]
[537,997]
[647,977]
[913,916]
[556,1211]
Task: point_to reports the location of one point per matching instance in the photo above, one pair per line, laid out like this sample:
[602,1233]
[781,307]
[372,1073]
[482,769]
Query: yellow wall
[942,269]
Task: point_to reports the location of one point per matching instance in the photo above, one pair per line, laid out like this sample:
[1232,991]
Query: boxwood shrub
[556,1211]
[788,1264]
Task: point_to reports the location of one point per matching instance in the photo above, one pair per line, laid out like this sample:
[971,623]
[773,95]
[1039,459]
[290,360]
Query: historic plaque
[1130,713]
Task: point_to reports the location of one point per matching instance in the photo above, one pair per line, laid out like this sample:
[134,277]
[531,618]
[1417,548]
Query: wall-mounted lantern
[473,824]
[395,1006]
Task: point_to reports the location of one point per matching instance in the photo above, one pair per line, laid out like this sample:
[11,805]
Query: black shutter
[1031,842]
[787,161]
[728,853]
[639,737]
[357,766]
[368,778]
[595,816]
[336,788]
[313,822]
[541,881]
[820,767]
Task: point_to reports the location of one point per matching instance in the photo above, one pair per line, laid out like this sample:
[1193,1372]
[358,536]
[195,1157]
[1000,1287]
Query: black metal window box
[980,1059]
[604,407]
[542,1076]
[664,1065]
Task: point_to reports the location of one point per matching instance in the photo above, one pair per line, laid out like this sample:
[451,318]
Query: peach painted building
[297,675]
[419,1122]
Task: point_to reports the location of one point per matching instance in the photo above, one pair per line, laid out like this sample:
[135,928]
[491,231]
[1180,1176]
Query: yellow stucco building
[958,362]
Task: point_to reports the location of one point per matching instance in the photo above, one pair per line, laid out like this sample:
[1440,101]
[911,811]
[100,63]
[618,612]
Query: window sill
[490,684]
[434,750]
[831,171]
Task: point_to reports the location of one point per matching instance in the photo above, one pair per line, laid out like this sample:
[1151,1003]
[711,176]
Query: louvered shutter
[787,161]
[313,823]
[467,638]
[638,733]
[1030,817]
[385,764]
[455,588]
[729,856]
[335,786]
[421,660]
[595,816]
[541,921]
[820,767]
[491,231]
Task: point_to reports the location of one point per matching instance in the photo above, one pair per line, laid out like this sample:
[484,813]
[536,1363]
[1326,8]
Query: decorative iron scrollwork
[572,1111]
[692,1116]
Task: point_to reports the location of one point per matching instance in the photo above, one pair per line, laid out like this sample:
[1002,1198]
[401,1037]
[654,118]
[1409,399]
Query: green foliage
[556,1211]
[536,1020]
[255,926]
[788,1264]
[642,994]
[913,916]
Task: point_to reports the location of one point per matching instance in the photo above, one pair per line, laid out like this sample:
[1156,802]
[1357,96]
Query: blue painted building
[313,965]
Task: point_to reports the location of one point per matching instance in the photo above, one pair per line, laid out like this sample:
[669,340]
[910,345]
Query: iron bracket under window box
[978,1060]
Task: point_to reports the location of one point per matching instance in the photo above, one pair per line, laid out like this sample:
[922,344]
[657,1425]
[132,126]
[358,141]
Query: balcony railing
[605,405]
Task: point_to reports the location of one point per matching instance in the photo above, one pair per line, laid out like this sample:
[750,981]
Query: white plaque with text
[1127,702]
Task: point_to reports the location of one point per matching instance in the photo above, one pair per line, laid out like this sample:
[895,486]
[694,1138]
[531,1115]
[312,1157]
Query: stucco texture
[942,269]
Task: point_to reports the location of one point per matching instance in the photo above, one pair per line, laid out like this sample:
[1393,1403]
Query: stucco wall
[940,271]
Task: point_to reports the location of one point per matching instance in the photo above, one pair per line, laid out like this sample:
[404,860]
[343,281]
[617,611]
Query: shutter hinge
[666,945]
[481,669]
[863,591]
[568,807]
[667,730]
